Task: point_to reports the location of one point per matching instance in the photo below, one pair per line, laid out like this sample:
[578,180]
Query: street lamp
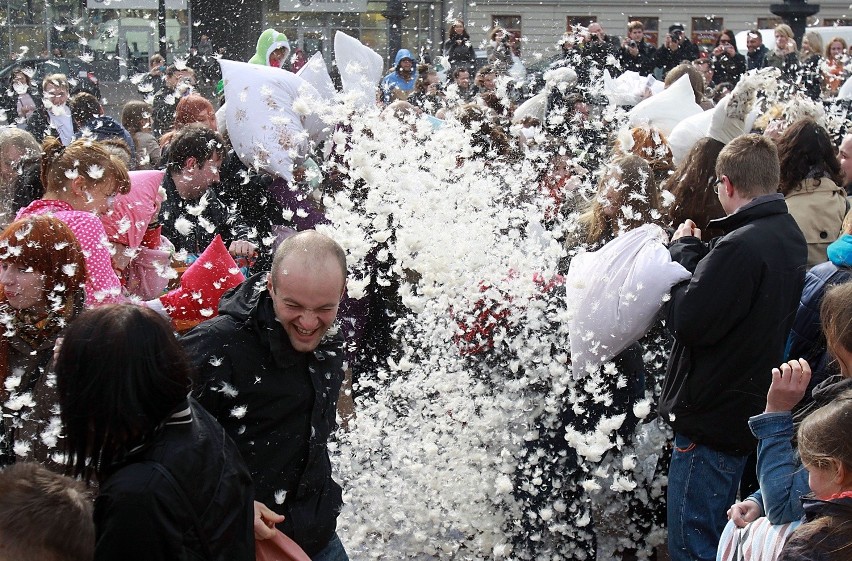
[795,13]
[394,13]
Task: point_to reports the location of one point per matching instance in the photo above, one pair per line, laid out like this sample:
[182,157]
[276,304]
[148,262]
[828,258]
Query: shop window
[28,41]
[767,23]
[27,12]
[836,22]
[651,26]
[705,31]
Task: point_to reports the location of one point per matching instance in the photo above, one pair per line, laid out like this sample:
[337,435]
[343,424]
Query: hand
[789,384]
[688,228]
[718,50]
[265,521]
[743,512]
[242,248]
[120,257]
[730,50]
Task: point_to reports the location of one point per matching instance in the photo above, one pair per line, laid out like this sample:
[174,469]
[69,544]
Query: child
[827,455]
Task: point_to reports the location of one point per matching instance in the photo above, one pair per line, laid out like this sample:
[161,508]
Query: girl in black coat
[172,484]
[728,64]
[457,47]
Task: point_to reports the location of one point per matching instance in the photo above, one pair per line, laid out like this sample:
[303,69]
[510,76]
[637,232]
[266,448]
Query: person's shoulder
[133,482]
[215,333]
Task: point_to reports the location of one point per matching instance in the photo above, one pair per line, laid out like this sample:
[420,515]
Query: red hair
[188,111]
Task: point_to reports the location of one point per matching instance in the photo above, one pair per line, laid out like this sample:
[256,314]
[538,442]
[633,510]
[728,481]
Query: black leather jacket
[279,405]
[139,515]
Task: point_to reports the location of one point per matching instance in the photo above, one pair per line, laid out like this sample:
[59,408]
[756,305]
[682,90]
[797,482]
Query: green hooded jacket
[269,41]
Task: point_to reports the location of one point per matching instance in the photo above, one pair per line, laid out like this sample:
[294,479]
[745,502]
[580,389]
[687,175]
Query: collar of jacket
[759,207]
[814,508]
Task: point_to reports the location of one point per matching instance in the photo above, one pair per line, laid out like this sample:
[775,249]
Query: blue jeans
[702,486]
[332,552]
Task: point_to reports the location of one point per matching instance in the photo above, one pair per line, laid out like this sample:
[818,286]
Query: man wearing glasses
[53,118]
[730,323]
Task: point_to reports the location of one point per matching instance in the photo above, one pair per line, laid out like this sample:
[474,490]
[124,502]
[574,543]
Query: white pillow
[315,72]
[845,91]
[269,116]
[667,108]
[614,294]
[360,68]
[628,89]
[687,133]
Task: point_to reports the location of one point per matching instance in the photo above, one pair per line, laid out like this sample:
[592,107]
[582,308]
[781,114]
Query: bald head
[309,249]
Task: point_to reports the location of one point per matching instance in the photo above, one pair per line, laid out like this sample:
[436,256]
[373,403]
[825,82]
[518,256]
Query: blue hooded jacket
[806,339]
[394,80]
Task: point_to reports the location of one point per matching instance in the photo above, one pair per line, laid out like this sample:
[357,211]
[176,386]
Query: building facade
[119,35]
[540,23]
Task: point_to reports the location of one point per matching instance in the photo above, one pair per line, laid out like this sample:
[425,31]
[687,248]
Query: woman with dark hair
[810,174]
[42,279]
[427,94]
[172,484]
[728,63]
[692,185]
[458,48]
[21,98]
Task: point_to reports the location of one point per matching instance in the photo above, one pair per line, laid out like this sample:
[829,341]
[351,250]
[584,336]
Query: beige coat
[818,207]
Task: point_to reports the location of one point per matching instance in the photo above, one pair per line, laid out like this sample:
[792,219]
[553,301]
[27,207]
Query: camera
[677,35]
[632,44]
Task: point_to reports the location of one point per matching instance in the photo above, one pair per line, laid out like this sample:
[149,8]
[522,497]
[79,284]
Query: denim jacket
[783,479]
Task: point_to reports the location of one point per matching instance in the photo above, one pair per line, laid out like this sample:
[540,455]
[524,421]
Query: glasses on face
[720,181]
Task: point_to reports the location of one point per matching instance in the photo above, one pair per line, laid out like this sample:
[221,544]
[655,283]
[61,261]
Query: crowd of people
[185,326]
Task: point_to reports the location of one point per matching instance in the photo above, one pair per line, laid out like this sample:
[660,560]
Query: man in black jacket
[757,51]
[270,370]
[676,49]
[730,324]
[637,54]
[193,214]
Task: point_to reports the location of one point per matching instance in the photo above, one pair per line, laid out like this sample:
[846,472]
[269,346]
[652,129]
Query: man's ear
[269,286]
[730,189]
[190,163]
[343,292]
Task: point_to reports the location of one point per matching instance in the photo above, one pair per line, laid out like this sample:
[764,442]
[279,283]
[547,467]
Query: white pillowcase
[667,108]
[270,116]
